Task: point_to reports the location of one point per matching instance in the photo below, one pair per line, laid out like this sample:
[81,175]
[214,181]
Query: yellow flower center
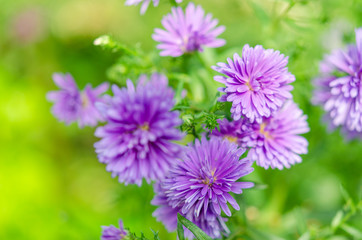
[207,180]
[249,85]
[144,127]
[262,131]
[231,138]
[84,99]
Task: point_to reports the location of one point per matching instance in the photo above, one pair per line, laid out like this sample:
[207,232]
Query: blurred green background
[51,183]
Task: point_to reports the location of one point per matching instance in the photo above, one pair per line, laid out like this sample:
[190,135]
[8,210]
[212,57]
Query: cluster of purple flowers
[275,142]
[138,140]
[265,119]
[339,88]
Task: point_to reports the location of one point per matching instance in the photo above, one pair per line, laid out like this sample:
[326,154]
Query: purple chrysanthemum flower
[339,88]
[113,233]
[145,3]
[210,223]
[233,131]
[187,32]
[72,105]
[164,213]
[137,139]
[276,142]
[257,83]
[199,185]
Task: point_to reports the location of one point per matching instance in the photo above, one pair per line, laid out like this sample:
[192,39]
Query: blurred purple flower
[257,83]
[137,139]
[29,25]
[72,105]
[145,3]
[339,88]
[113,233]
[199,186]
[187,32]
[276,142]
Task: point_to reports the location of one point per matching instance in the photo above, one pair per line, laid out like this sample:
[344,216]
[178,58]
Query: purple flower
[137,140]
[211,223]
[276,142]
[113,233]
[257,83]
[72,105]
[233,131]
[187,32]
[199,185]
[339,88]
[145,3]
[164,213]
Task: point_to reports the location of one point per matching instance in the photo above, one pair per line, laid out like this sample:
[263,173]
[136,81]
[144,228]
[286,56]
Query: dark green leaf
[180,231]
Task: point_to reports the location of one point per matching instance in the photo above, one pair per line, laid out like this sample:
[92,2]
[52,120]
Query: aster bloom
[233,131]
[199,185]
[113,233]
[257,84]
[72,105]
[339,88]
[210,223]
[137,140]
[187,32]
[145,3]
[276,142]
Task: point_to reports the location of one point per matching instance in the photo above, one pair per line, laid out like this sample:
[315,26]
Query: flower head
[276,142]
[137,140]
[72,105]
[339,88]
[113,233]
[257,84]
[187,32]
[199,185]
[210,223]
[233,131]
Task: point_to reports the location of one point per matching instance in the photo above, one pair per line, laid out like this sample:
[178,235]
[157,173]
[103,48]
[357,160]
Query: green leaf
[260,186]
[337,219]
[357,234]
[305,236]
[198,233]
[260,13]
[155,235]
[180,231]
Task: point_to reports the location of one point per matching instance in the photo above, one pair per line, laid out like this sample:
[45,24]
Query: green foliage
[133,236]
